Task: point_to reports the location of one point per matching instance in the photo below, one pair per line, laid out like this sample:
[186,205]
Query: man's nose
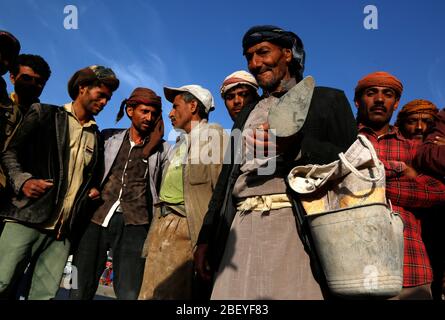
[103,101]
[420,125]
[238,100]
[255,62]
[379,96]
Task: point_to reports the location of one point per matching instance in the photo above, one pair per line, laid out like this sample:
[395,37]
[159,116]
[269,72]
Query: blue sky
[173,43]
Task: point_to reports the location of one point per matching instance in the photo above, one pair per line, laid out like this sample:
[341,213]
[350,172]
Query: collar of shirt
[134,144]
[69,108]
[392,133]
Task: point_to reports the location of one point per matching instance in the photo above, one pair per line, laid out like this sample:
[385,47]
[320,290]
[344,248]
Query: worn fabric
[17,244]
[379,79]
[262,260]
[264,203]
[172,237]
[114,140]
[126,189]
[407,194]
[430,156]
[11,116]
[169,264]
[126,243]
[130,185]
[330,128]
[40,149]
[79,153]
[111,190]
[172,187]
[251,182]
[37,150]
[201,173]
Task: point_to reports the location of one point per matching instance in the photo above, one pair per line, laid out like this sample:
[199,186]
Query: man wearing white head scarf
[238,90]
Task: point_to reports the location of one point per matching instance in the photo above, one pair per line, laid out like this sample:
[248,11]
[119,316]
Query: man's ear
[396,104]
[288,54]
[357,104]
[12,78]
[82,90]
[193,106]
[129,110]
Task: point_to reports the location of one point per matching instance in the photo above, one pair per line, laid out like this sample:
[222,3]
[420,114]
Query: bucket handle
[374,157]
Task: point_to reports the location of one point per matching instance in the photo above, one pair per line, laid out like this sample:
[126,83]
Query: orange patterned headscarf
[379,79]
[416,106]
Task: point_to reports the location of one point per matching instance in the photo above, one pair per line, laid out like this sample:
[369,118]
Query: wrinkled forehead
[420,115]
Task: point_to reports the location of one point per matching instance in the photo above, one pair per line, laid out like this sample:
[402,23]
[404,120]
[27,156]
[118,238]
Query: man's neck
[379,130]
[23,104]
[82,115]
[283,86]
[136,136]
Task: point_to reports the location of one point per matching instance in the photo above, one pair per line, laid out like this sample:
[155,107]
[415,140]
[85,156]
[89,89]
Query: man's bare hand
[410,172]
[35,188]
[94,194]
[439,140]
[260,142]
[201,263]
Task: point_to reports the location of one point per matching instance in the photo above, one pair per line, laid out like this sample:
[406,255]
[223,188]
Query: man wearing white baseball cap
[188,182]
[238,90]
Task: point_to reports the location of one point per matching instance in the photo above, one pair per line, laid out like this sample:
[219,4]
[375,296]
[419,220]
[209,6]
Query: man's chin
[418,137]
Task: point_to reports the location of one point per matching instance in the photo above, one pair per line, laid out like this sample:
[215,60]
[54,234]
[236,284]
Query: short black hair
[35,62]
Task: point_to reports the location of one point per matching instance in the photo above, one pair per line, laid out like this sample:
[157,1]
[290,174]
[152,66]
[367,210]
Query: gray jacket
[113,141]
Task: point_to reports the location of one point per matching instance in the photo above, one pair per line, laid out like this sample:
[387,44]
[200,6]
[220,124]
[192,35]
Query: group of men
[200,219]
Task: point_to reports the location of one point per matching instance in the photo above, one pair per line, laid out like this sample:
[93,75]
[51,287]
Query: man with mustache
[187,185]
[250,236]
[52,164]
[238,90]
[431,158]
[377,95]
[416,119]
[134,161]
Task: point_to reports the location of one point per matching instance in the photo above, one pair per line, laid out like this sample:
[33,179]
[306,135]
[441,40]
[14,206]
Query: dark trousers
[126,243]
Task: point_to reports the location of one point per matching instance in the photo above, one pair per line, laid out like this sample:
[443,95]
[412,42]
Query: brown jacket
[201,173]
